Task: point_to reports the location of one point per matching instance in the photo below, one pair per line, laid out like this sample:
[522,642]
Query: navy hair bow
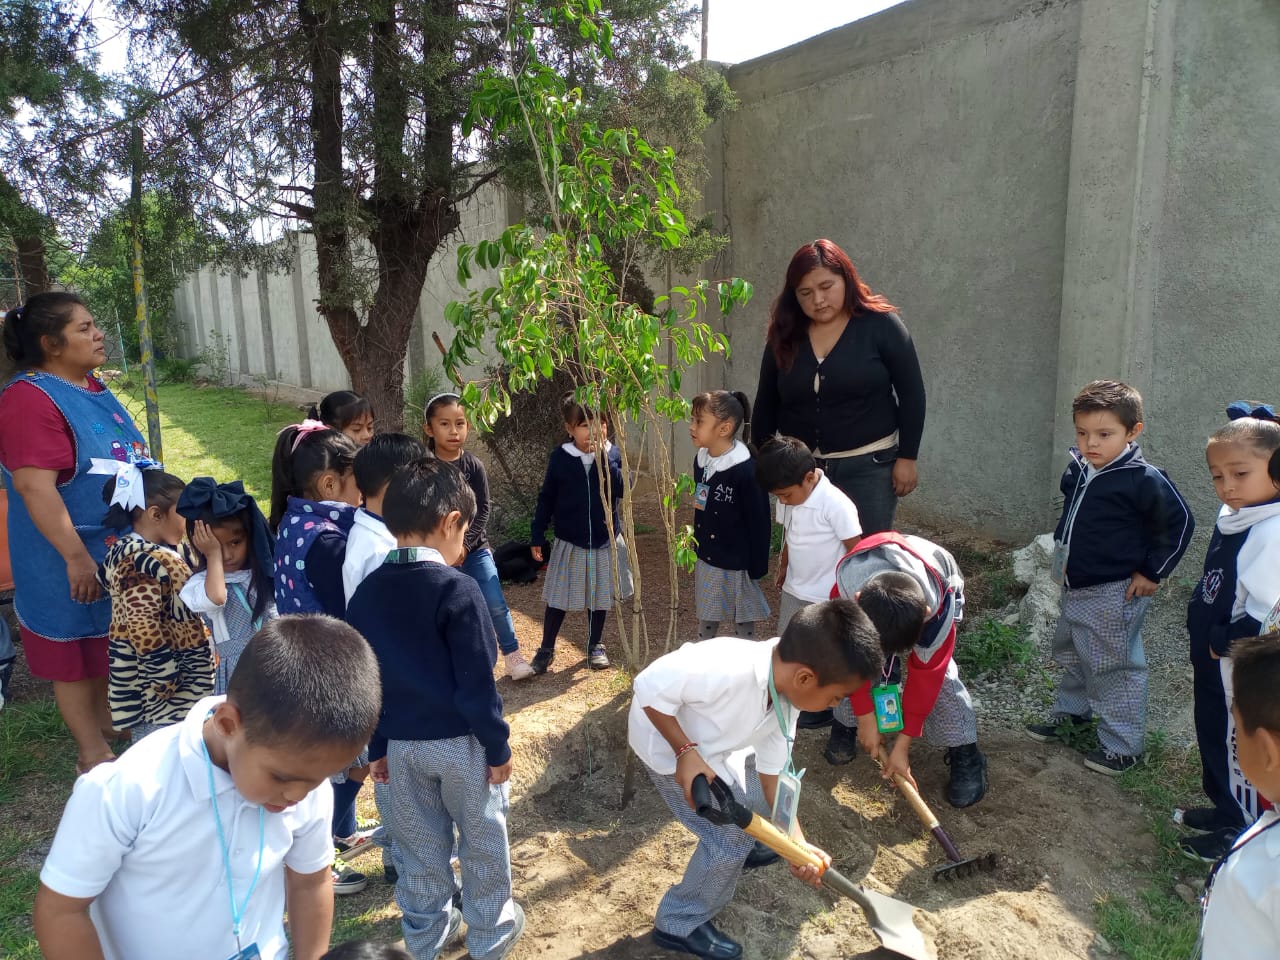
[206,498]
[1242,408]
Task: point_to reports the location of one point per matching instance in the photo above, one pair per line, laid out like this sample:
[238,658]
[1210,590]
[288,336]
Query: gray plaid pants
[951,722]
[788,606]
[435,785]
[1098,645]
[712,875]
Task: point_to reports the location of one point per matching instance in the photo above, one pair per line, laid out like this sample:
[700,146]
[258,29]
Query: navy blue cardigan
[733,529]
[1131,518]
[570,501]
[430,627]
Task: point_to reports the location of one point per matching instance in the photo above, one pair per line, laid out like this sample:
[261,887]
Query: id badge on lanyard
[700,493]
[243,952]
[887,700]
[786,800]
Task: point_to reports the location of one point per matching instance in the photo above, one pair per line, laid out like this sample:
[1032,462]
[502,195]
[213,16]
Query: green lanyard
[784,726]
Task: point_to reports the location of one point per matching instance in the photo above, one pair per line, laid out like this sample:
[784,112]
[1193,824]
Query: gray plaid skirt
[579,578]
[727,595]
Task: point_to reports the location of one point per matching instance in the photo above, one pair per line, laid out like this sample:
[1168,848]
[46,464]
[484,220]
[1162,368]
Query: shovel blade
[892,921]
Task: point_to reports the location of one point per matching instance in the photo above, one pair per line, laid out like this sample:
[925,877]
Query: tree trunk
[33,269]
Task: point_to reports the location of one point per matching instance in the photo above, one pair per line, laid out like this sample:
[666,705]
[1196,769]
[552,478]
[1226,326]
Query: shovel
[891,920]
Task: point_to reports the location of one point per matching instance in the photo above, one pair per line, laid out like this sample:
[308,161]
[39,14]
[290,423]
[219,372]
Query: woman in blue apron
[56,417]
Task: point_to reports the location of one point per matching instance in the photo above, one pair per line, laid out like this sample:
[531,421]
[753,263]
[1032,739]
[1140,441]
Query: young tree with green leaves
[560,304]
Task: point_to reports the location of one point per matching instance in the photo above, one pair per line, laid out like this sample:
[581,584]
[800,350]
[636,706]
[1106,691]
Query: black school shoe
[542,659]
[842,746]
[1110,763]
[1207,820]
[760,856]
[814,720]
[1208,847]
[705,941]
[968,783]
[1054,728]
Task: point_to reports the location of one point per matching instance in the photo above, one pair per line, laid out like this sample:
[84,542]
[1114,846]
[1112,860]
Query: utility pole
[706,10]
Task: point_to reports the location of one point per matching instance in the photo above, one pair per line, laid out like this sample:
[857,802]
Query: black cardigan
[870,386]
[733,529]
[570,501]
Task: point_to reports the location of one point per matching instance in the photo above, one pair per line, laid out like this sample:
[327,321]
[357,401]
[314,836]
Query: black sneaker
[345,880]
[597,659]
[1208,847]
[842,745]
[542,659]
[1055,727]
[1110,763]
[1207,819]
[968,782]
[6,672]
[390,874]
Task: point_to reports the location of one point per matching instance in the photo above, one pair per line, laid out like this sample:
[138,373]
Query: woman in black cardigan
[840,373]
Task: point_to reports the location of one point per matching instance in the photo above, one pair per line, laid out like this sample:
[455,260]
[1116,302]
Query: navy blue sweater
[1129,518]
[733,528]
[1209,623]
[430,627]
[570,501]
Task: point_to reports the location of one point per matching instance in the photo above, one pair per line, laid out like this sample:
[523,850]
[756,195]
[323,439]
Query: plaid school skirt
[727,595]
[579,578]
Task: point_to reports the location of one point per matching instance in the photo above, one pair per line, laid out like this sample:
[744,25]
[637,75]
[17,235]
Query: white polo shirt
[1242,921]
[816,530]
[138,835]
[718,690]
[368,544]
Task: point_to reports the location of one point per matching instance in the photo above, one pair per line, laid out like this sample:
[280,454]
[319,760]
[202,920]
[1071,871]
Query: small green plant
[216,358]
[177,369]
[268,388]
[991,645]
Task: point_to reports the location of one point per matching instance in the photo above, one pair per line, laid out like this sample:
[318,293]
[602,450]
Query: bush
[991,645]
[216,356]
[177,369]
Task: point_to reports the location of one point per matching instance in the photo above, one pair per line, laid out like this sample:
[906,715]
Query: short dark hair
[576,413]
[725,405]
[43,315]
[367,950]
[783,462]
[306,680]
[1255,677]
[835,639]
[1260,436]
[896,604]
[159,489]
[381,457]
[340,408]
[422,493]
[1111,396]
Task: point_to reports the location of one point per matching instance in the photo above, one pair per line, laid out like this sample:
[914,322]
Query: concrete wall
[1050,190]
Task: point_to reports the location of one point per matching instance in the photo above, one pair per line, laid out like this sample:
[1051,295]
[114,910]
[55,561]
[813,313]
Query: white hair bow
[128,473]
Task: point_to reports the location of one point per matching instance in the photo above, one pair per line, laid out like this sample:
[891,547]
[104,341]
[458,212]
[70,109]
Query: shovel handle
[914,800]
[794,853]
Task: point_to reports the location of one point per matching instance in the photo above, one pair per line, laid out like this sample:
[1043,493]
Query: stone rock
[1185,893]
[1101,946]
[1038,610]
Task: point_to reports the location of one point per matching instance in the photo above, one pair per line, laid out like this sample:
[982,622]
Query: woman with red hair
[840,373]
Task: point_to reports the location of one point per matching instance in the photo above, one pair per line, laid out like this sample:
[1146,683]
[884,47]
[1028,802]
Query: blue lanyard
[237,913]
[784,726]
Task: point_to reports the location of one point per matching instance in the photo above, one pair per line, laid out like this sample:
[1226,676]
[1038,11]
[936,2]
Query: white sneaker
[517,666]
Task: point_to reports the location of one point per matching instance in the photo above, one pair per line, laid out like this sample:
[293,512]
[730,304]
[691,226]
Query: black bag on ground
[515,563]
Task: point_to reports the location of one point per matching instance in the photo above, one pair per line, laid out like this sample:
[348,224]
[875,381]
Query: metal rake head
[966,868]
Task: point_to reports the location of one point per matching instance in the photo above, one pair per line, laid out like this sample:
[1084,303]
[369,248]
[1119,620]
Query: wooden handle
[914,799]
[784,846]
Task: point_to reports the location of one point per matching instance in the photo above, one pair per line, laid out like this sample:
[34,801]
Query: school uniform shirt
[1242,921]
[718,690]
[816,531]
[239,591]
[138,835]
[732,528]
[938,574]
[368,544]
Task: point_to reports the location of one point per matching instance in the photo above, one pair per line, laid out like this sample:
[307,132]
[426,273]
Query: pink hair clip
[304,428]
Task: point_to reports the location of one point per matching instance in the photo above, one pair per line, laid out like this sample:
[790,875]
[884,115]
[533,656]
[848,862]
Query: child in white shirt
[370,541]
[196,841]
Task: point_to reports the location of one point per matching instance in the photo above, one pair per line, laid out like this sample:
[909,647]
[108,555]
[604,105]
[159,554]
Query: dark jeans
[867,481]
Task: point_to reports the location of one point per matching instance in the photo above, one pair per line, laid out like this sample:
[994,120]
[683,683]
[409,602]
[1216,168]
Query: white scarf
[730,458]
[1233,521]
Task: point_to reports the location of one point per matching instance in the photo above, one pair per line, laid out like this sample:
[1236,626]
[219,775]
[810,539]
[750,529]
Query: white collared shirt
[816,531]
[368,544]
[1242,921]
[138,835]
[718,690]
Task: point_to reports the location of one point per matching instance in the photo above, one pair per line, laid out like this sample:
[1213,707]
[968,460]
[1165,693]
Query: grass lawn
[224,433]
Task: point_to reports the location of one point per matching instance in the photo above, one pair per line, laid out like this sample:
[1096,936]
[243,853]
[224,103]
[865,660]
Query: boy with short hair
[821,523]
[198,839]
[913,591]
[370,541]
[441,742]
[1124,527]
[1242,905]
[726,708]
